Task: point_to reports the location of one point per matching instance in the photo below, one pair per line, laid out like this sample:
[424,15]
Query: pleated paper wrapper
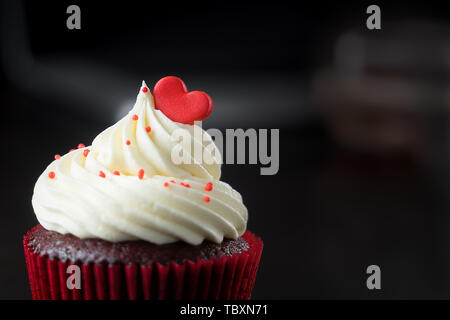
[225,278]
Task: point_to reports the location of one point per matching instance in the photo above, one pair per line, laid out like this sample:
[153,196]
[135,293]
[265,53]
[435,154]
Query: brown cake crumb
[70,248]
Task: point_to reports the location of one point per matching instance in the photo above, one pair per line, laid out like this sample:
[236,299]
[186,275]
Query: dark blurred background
[363,118]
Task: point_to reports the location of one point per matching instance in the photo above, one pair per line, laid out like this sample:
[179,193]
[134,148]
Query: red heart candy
[173,99]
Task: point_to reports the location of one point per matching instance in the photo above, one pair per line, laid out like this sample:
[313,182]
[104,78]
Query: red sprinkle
[51,175]
[71,150]
[187,185]
[206,199]
[209,186]
[166,184]
[141,174]
[117,173]
[102,174]
[144,89]
[57,157]
[148,129]
[86,152]
[182,184]
[135,117]
[128,142]
[80,146]
[173,181]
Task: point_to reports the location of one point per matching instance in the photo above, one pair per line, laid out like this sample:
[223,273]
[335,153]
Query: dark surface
[70,248]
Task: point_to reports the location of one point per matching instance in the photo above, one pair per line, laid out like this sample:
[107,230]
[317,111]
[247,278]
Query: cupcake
[120,219]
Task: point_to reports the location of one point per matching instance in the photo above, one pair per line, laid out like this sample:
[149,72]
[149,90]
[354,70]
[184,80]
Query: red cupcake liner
[228,277]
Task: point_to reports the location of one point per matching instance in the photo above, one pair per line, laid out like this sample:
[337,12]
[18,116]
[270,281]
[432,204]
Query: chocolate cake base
[68,248]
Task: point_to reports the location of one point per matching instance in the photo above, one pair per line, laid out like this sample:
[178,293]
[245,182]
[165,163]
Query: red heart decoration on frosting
[173,99]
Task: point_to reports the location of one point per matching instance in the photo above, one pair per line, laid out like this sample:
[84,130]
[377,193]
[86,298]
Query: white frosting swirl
[125,207]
